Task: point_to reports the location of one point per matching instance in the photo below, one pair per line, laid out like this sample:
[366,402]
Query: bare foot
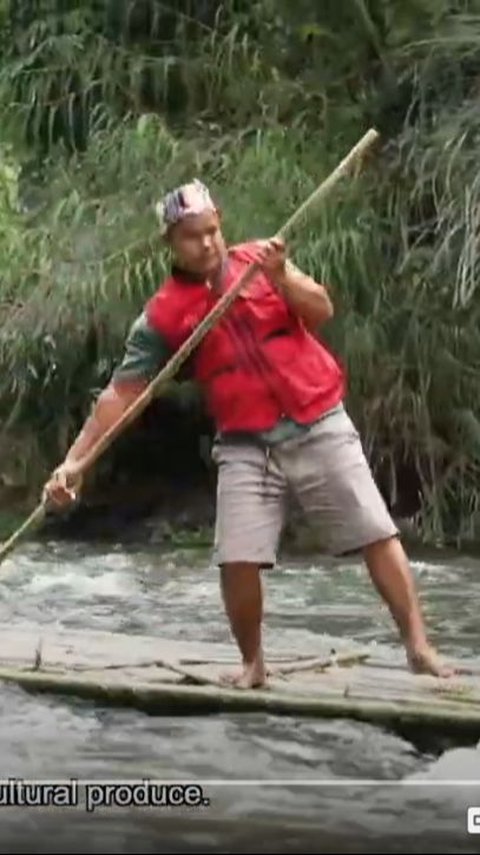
[425,660]
[251,676]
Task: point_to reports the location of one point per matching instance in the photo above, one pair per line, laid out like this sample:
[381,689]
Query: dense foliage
[105,105]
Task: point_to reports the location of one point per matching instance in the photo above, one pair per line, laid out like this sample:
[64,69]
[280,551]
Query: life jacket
[259,363]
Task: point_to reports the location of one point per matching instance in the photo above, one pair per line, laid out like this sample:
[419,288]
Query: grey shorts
[325,470]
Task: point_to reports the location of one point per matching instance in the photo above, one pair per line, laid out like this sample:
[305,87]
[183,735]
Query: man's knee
[240,584]
[239,568]
[384,547]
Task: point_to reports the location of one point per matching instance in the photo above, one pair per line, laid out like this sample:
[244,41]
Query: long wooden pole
[184,351]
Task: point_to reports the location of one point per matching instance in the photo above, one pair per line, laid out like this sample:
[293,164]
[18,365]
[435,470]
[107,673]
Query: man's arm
[109,407]
[145,354]
[305,296]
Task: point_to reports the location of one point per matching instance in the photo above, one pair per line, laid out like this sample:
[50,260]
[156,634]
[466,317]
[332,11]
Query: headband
[183,201]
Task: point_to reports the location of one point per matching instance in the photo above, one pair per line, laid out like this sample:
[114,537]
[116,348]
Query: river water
[371,788]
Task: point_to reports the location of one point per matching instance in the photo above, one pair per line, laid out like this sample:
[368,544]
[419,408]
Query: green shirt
[146,353]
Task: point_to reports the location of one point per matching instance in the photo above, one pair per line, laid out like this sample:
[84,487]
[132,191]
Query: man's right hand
[63,487]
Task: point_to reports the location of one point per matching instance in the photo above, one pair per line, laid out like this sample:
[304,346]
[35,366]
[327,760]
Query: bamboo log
[315,664]
[301,663]
[174,667]
[162,697]
[185,350]
[321,663]
[192,660]
[197,679]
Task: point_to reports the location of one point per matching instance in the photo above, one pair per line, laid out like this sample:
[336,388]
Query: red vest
[259,362]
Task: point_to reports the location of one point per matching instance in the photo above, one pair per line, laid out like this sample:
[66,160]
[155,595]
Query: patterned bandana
[193,198]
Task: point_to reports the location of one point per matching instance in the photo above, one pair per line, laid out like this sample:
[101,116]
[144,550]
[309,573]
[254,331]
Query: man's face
[197,243]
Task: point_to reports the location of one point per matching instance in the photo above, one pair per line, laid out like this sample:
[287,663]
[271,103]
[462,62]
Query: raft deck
[165,676]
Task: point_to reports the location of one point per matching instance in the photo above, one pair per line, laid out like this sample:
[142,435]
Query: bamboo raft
[163,676]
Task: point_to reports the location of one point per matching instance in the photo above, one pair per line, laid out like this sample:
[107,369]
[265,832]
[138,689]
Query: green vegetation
[106,105]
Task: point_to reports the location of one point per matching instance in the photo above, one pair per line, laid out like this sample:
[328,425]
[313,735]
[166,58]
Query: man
[276,396]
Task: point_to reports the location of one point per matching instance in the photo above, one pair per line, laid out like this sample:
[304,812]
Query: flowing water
[354,803]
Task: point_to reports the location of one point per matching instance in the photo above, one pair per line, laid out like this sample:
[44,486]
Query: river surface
[371,789]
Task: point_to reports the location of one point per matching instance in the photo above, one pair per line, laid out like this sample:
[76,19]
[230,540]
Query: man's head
[190,222]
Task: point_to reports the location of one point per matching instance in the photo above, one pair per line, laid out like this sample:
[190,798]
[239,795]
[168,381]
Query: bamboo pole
[184,351]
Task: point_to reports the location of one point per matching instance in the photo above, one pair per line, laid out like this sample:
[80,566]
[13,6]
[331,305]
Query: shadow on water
[323,785]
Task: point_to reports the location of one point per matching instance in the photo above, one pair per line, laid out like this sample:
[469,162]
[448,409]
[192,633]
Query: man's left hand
[272,258]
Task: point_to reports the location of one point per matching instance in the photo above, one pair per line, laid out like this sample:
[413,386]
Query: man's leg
[250,512]
[392,576]
[334,484]
[243,600]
